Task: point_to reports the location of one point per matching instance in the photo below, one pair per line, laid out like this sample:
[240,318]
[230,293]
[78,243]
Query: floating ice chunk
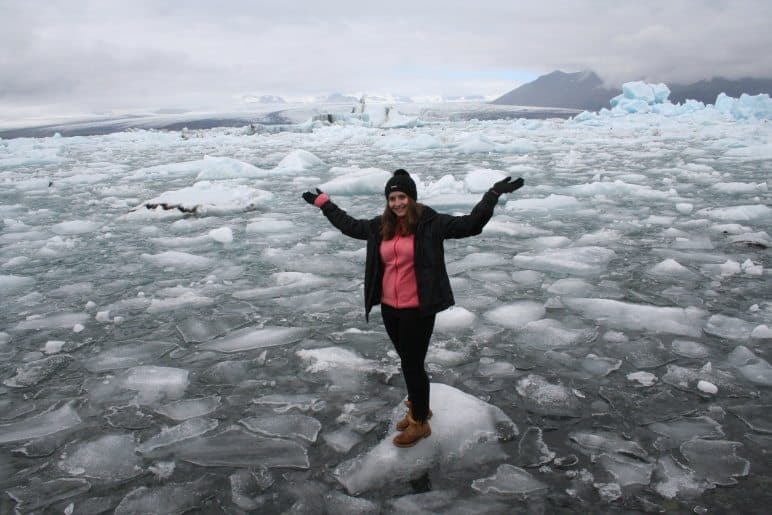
[298,161]
[672,268]
[184,300]
[728,327]
[545,398]
[532,449]
[474,143]
[191,428]
[169,498]
[246,487]
[492,368]
[599,366]
[463,427]
[570,286]
[761,332]
[751,268]
[291,425]
[606,442]
[622,315]
[197,330]
[34,372]
[689,349]
[288,283]
[715,460]
[509,480]
[108,457]
[684,208]
[54,346]
[683,429]
[583,261]
[189,408]
[39,495]
[755,369]
[642,378]
[625,470]
[517,314]
[176,259]
[408,143]
[221,235]
[249,338]
[454,320]
[672,479]
[153,383]
[707,387]
[547,333]
[356,181]
[270,225]
[205,198]
[76,227]
[687,378]
[126,355]
[551,204]
[58,321]
[481,179]
[476,260]
[214,168]
[237,448]
[342,440]
[43,424]
[327,358]
[737,213]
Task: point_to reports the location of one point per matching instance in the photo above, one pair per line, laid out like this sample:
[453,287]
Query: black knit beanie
[401,181]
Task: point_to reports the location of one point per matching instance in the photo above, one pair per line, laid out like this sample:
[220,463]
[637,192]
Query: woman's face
[398,202]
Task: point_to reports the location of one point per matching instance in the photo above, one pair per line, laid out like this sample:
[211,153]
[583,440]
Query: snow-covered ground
[180,330]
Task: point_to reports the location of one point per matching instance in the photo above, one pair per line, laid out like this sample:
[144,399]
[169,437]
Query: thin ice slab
[250,338]
[238,448]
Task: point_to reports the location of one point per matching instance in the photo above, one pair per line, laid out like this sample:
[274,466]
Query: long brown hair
[389,220]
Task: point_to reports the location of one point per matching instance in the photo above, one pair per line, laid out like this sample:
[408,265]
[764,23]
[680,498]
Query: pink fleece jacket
[400,288]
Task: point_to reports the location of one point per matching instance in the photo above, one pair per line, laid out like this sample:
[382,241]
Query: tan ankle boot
[414,432]
[402,424]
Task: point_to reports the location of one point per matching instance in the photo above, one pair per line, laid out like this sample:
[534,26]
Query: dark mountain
[706,91]
[580,90]
[584,90]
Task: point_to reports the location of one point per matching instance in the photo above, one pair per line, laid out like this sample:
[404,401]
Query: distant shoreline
[269,122]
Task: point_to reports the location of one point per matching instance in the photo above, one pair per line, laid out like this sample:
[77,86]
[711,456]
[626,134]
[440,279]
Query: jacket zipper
[396,272]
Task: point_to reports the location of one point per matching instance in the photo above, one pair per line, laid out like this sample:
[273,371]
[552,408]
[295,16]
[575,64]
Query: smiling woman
[405,273]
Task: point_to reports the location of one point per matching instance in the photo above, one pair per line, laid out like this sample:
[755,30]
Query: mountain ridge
[585,90]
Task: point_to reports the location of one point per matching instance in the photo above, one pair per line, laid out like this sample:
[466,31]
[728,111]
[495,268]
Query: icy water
[609,350]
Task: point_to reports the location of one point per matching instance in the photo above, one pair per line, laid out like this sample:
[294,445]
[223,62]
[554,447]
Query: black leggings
[410,333]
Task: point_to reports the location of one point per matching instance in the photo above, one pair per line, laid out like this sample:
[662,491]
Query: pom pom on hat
[401,181]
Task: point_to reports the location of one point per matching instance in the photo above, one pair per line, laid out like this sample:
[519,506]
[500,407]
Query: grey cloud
[147,52]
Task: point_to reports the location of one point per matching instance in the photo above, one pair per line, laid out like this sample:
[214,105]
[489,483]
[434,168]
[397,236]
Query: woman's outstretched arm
[351,227]
[473,223]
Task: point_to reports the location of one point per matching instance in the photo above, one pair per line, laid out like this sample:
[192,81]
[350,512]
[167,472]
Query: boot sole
[412,444]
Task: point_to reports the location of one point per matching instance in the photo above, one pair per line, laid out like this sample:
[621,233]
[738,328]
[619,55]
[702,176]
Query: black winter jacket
[434,293]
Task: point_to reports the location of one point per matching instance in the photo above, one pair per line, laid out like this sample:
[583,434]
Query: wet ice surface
[610,343]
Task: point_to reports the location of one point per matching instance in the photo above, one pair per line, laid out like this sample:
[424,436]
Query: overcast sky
[102,54]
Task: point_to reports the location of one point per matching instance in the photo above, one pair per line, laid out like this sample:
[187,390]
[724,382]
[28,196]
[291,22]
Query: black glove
[310,197]
[507,185]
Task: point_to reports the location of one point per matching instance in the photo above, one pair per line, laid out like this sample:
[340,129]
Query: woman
[405,273]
